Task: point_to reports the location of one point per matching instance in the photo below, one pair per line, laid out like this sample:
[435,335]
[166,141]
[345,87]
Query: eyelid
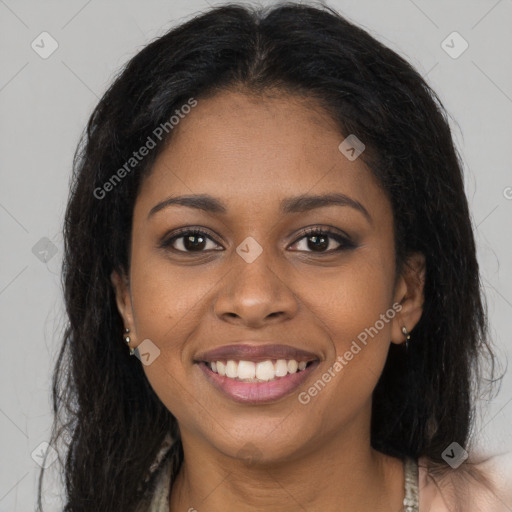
[322,228]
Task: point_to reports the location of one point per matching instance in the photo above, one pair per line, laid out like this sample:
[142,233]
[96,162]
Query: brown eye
[192,240]
[317,241]
[320,241]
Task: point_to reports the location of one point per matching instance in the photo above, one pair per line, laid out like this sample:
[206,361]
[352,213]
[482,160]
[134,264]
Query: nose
[254,295]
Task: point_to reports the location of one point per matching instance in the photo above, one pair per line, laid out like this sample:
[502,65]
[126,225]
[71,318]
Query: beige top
[422,492]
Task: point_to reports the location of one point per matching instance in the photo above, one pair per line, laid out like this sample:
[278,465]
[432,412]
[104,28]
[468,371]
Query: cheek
[353,298]
[356,309]
[166,300]
[166,305]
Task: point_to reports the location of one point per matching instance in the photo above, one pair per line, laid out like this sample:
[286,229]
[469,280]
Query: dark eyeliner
[344,240]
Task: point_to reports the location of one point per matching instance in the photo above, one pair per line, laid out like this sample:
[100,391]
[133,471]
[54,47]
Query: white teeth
[281,368]
[221,368]
[246,370]
[231,369]
[261,371]
[265,370]
[292,366]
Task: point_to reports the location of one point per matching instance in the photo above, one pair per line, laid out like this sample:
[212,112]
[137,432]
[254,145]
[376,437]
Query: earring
[127,340]
[407,337]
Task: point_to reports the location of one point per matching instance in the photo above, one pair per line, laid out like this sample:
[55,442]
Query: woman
[268,211]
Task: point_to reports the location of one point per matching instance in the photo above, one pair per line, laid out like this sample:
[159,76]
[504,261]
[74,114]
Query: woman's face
[254,280]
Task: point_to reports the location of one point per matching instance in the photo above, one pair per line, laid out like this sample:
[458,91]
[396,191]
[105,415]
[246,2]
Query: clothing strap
[411,500]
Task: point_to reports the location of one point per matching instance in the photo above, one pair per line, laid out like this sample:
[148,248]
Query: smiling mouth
[250,388]
[257,371]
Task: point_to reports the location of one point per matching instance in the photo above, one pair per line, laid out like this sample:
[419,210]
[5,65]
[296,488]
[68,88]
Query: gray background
[45,103]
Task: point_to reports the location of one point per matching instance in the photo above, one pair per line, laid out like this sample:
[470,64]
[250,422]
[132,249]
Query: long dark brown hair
[108,419]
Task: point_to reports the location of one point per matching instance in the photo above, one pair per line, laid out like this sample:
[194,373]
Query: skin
[251,152]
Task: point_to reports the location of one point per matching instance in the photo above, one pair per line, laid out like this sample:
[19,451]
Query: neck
[343,474]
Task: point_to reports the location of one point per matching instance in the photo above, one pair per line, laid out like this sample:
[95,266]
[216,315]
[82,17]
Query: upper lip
[251,352]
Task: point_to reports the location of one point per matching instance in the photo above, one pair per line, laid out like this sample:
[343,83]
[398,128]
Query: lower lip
[257,392]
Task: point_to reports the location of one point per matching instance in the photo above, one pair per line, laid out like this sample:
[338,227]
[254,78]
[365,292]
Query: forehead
[252,150]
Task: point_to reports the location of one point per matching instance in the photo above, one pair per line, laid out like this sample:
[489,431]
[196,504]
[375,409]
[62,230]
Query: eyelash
[344,242]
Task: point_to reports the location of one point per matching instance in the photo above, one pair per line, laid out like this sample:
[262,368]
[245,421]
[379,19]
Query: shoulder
[483,485]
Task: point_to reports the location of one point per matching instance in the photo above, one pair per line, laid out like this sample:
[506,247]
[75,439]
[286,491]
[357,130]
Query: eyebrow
[297,204]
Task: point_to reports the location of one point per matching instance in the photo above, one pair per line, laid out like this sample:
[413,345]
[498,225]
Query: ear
[121,286]
[409,293]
